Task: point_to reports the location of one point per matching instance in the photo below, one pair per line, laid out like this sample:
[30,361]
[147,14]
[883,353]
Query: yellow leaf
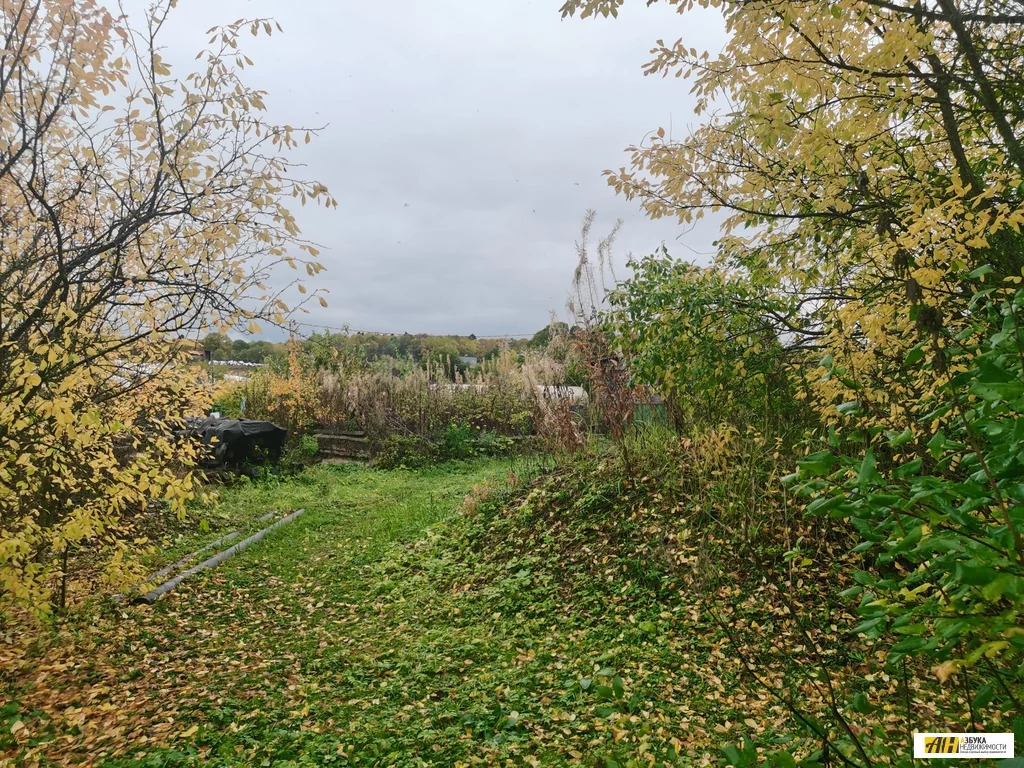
[945,670]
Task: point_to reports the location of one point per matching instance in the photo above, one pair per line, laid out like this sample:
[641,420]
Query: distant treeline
[418,347]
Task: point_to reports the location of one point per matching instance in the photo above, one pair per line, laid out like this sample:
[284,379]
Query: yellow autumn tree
[868,156]
[137,206]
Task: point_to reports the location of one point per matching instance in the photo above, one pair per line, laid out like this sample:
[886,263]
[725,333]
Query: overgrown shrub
[409,414]
[938,508]
[915,470]
[708,341]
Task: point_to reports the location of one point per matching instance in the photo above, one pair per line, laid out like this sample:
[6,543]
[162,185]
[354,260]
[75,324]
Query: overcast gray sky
[464,142]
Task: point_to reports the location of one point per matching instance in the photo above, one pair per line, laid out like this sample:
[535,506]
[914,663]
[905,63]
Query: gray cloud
[464,142]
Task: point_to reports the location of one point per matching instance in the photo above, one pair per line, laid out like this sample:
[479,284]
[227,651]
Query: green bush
[393,450]
[457,441]
[229,403]
[706,340]
[493,444]
[942,528]
[300,451]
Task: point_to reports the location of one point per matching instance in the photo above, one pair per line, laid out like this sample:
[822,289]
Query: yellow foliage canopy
[868,157]
[136,207]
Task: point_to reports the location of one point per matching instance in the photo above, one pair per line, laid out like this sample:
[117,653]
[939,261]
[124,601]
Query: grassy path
[230,667]
[555,625]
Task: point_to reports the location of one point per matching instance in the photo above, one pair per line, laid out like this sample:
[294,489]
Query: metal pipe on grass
[153,595]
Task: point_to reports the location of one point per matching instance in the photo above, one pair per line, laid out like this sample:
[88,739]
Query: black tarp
[237,441]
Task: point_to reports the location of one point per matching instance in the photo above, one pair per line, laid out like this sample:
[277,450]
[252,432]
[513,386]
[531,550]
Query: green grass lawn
[546,626]
[237,651]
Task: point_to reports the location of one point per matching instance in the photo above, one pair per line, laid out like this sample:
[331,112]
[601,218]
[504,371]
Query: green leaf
[900,438]
[824,504]
[617,688]
[867,474]
[991,372]
[732,756]
[868,625]
[909,541]
[909,644]
[984,695]
[782,759]
[911,629]
[915,355]
[981,271]
[988,392]
[909,469]
[1001,585]
[975,575]
[816,464]
[861,704]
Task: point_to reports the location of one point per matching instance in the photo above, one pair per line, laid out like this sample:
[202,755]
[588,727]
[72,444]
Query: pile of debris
[234,442]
